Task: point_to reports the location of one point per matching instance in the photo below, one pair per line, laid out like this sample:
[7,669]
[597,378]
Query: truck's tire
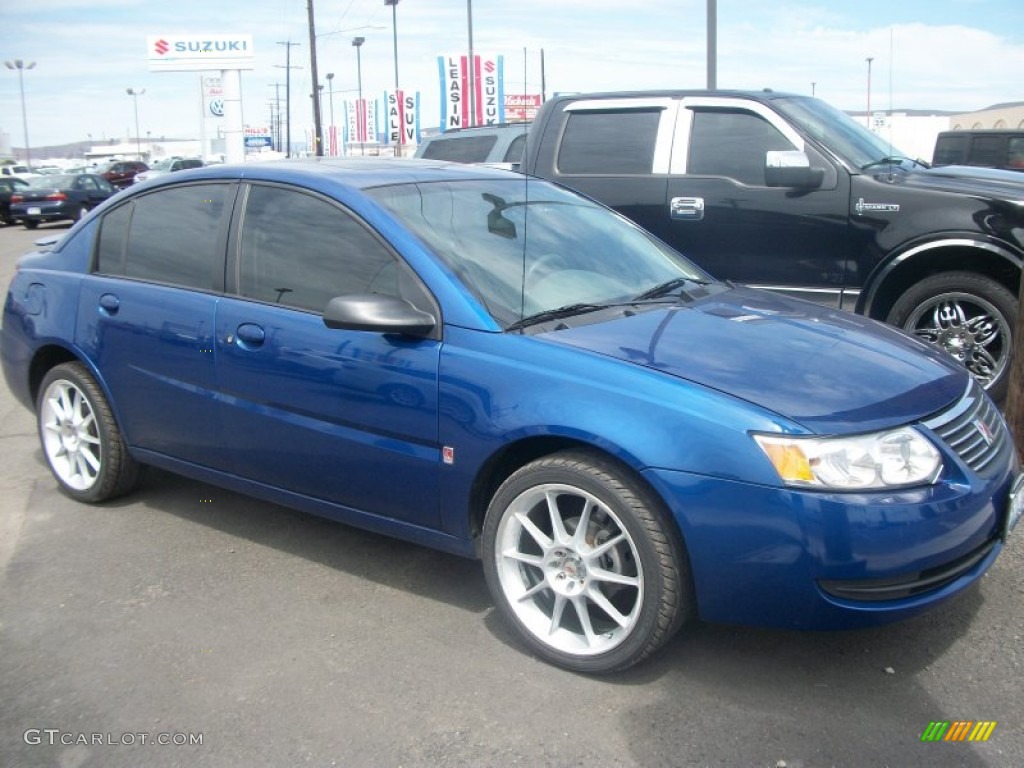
[967,315]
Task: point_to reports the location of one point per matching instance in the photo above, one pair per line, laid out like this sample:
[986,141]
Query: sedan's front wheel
[81,440]
[582,560]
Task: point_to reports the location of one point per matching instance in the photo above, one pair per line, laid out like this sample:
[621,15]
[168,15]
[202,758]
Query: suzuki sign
[190,53]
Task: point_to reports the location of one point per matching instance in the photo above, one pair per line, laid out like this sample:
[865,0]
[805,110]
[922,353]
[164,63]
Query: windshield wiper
[893,160]
[667,287]
[556,314]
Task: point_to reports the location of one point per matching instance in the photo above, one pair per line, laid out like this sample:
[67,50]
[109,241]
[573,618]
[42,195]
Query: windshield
[525,246]
[837,131]
[162,165]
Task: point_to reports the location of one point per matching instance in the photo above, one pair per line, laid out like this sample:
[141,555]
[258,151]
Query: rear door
[146,317]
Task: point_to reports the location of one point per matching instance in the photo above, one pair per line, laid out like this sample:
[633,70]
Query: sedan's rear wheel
[581,559]
[80,439]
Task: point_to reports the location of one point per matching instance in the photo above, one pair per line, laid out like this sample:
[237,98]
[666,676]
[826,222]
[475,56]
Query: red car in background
[121,173]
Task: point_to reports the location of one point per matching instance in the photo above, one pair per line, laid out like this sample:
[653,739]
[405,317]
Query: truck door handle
[687,208]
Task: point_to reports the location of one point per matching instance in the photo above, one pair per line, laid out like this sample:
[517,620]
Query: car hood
[988,182]
[831,371]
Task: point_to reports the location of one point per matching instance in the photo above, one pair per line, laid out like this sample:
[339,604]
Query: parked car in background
[18,171]
[58,197]
[167,165]
[985,148]
[626,442]
[121,173]
[785,192]
[499,145]
[8,186]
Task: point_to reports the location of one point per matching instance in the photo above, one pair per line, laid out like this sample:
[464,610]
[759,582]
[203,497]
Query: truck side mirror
[791,168]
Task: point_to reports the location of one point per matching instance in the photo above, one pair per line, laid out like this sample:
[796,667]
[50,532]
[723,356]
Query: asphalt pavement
[188,626]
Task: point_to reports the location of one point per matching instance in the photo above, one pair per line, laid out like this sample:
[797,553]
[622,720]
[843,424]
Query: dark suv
[986,148]
[783,191]
[121,173]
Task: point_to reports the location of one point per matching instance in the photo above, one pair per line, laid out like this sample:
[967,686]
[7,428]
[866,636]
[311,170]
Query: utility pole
[712,44]
[288,94]
[318,135]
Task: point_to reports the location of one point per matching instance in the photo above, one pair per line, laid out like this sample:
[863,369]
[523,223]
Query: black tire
[967,315]
[540,587]
[30,223]
[80,439]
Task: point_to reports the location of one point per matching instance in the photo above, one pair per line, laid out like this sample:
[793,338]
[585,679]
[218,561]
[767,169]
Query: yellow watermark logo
[958,730]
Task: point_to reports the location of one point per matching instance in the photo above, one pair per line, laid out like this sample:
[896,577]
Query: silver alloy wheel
[968,328]
[70,435]
[569,569]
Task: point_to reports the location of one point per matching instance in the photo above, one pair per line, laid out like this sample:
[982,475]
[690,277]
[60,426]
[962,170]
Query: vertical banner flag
[361,121]
[403,118]
[488,91]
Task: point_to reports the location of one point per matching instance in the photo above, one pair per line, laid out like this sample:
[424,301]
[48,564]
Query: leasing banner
[488,102]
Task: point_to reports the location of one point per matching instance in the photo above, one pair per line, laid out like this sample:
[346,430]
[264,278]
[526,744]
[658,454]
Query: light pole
[21,66]
[330,100]
[357,43]
[394,28]
[869,60]
[288,94]
[472,69]
[135,99]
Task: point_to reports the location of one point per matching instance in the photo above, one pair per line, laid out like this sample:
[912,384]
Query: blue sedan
[492,365]
[59,197]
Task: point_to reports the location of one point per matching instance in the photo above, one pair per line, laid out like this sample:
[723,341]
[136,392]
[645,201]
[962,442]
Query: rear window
[461,149]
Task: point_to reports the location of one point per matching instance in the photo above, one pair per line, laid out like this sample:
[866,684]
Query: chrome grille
[973,428]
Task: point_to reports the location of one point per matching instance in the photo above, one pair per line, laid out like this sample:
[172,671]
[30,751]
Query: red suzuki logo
[162,46]
[489,66]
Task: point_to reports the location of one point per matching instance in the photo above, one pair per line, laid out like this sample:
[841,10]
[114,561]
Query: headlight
[893,459]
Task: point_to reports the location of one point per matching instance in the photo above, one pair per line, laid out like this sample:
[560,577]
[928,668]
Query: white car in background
[168,165]
[18,172]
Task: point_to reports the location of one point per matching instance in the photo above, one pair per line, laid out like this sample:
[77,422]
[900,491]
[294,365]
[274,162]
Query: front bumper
[790,558]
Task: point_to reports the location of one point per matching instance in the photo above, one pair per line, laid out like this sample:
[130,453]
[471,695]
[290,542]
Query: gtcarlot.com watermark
[57,737]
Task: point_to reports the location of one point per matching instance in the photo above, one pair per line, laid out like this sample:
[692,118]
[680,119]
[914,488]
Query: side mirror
[791,168]
[379,313]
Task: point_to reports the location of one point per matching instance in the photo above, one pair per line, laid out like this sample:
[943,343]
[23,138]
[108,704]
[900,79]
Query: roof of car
[357,172]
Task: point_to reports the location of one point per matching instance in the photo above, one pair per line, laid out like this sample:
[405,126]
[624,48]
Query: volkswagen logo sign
[217,107]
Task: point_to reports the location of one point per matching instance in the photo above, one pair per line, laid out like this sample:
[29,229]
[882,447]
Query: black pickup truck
[785,192]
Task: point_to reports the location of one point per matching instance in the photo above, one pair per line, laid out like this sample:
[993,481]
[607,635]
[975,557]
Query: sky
[943,55]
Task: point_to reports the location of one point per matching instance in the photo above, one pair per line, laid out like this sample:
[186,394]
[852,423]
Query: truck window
[1015,153]
[461,149]
[986,151]
[613,141]
[950,150]
[732,143]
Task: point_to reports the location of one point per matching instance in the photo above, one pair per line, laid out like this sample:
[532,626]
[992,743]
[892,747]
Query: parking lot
[186,625]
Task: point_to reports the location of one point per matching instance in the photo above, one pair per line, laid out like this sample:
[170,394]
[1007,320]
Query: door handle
[250,336]
[687,208]
[109,304]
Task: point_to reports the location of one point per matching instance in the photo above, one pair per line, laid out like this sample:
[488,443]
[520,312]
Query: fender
[881,274]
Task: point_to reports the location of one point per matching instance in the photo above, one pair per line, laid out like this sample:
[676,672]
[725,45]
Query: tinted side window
[112,240]
[175,235]
[987,151]
[950,150]
[732,143]
[301,251]
[620,141]
[1015,153]
[464,149]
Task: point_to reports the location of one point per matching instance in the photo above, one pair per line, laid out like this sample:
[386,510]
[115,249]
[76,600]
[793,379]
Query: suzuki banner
[488,102]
